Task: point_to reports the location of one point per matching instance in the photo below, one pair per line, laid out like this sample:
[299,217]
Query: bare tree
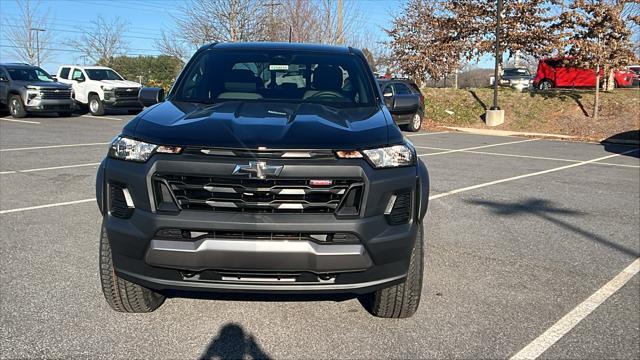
[169,45]
[22,36]
[103,41]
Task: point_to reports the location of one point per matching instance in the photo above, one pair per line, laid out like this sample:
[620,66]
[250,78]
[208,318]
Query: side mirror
[80,79]
[151,95]
[54,77]
[388,99]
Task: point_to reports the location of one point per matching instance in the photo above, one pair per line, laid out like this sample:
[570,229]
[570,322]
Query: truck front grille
[55,94]
[243,194]
[126,92]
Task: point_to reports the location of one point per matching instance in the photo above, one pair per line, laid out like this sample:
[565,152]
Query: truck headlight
[33,94]
[389,157]
[128,149]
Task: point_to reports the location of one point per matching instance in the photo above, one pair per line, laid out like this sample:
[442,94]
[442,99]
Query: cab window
[77,75]
[64,73]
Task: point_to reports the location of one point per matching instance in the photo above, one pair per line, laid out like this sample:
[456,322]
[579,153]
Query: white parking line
[46,206]
[456,191]
[429,133]
[478,147]
[569,321]
[47,168]
[526,156]
[52,146]
[20,121]
[102,117]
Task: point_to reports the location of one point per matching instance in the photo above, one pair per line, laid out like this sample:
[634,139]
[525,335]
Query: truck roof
[280,46]
[86,66]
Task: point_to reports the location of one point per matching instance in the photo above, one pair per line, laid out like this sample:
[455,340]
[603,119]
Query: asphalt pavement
[520,234]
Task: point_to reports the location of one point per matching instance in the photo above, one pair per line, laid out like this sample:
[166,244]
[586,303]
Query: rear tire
[416,123]
[122,295]
[401,300]
[16,107]
[96,107]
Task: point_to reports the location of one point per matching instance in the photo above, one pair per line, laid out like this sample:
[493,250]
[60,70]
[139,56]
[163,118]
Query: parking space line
[47,168]
[21,121]
[46,206]
[52,146]
[428,133]
[526,156]
[102,117]
[478,147]
[570,320]
[473,187]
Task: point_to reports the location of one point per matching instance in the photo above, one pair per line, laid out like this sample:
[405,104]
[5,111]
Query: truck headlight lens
[32,93]
[388,157]
[128,149]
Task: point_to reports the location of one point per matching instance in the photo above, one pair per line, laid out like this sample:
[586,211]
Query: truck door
[4,87]
[78,82]
[406,102]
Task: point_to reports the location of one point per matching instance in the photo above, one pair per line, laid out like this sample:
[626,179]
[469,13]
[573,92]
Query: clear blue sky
[146,18]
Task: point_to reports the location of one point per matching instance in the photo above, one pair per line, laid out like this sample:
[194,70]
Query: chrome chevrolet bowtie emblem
[258,169]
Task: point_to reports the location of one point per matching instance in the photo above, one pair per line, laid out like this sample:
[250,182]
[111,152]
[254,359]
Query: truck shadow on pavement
[544,209]
[622,143]
[233,342]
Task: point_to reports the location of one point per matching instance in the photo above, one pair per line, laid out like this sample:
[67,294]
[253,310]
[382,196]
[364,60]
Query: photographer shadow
[232,342]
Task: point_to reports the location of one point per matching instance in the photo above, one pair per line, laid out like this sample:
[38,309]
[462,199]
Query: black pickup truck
[268,168]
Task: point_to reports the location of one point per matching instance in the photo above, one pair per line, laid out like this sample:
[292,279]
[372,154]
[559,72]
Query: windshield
[102,74]
[29,74]
[337,80]
[516,72]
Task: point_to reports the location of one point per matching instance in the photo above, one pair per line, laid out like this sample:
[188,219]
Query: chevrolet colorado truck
[268,168]
[28,89]
[100,88]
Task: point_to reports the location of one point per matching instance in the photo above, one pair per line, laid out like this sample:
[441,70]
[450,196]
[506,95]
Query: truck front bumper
[49,105]
[375,254]
[126,103]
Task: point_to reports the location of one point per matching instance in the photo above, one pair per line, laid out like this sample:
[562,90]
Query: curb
[509,133]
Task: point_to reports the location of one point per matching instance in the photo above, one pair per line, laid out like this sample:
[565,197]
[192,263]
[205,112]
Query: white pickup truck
[101,88]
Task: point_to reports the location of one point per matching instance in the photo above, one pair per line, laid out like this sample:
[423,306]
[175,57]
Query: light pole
[37,30]
[496,70]
[494,116]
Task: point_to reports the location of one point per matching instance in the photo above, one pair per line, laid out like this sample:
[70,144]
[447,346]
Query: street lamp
[37,30]
[494,116]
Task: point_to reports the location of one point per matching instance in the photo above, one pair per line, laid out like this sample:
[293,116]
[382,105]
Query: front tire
[96,107]
[545,85]
[122,295]
[401,300]
[16,107]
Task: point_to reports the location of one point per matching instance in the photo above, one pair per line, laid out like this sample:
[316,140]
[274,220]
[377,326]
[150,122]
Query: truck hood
[237,124]
[120,83]
[43,84]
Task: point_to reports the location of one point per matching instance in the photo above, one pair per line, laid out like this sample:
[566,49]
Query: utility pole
[340,39]
[37,30]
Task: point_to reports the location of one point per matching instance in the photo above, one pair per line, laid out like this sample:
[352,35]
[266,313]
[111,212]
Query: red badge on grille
[320,182]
